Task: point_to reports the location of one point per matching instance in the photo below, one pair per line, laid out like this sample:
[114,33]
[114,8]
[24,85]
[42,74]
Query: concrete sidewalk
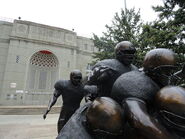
[28,126]
[27,110]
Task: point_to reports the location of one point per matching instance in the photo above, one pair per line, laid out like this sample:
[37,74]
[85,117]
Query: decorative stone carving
[22,28]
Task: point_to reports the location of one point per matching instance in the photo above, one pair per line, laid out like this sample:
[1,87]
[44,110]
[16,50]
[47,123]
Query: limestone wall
[20,41]
[5,30]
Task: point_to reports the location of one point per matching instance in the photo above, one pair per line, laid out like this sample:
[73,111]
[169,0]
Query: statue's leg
[61,123]
[63,118]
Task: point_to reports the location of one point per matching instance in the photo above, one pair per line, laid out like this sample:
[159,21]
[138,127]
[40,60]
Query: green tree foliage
[168,31]
[126,26]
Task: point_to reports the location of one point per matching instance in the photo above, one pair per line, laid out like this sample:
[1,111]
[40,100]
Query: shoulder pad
[60,84]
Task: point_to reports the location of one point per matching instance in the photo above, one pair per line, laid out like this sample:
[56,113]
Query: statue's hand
[87,98]
[102,70]
[90,97]
[45,114]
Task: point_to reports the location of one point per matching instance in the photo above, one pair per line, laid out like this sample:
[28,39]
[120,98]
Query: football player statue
[136,91]
[72,92]
[105,72]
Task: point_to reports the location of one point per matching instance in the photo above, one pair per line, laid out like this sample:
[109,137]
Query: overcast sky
[84,16]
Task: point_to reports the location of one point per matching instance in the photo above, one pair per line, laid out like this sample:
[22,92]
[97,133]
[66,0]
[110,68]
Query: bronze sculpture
[137,94]
[170,110]
[105,72]
[100,119]
[72,92]
[104,117]
[136,91]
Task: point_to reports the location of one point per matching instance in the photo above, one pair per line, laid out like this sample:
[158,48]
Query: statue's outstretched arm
[52,102]
[138,118]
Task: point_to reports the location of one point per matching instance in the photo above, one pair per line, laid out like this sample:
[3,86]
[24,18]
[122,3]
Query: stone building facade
[34,56]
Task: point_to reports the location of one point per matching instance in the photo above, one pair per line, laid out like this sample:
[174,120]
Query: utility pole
[125,3]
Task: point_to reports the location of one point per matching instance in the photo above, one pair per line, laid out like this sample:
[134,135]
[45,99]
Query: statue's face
[163,75]
[170,102]
[76,78]
[125,52]
[125,56]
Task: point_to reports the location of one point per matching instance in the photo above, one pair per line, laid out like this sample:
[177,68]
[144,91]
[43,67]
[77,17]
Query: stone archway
[43,72]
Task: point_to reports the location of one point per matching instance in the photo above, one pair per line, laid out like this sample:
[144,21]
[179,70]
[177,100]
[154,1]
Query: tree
[126,26]
[168,31]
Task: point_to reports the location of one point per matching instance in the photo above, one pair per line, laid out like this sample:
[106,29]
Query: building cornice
[43,25]
[43,42]
[51,44]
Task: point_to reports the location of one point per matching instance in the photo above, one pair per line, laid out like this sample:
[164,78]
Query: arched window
[43,71]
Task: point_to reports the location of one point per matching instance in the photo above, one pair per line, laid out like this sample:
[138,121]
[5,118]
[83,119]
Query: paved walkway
[28,126]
